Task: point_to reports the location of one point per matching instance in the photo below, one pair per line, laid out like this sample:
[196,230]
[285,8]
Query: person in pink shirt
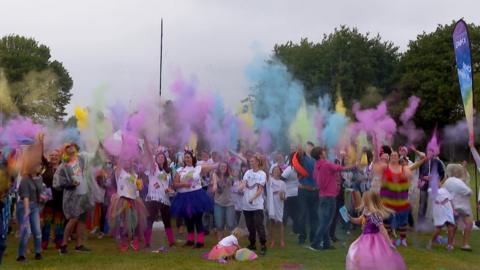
[326,175]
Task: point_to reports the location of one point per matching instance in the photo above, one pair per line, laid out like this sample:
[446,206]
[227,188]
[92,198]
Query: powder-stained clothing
[326,175]
[74,204]
[394,191]
[31,189]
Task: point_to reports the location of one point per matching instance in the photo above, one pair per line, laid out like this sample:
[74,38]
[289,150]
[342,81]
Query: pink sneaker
[135,245]
[404,242]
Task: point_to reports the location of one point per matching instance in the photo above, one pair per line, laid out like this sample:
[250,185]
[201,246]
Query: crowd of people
[71,192]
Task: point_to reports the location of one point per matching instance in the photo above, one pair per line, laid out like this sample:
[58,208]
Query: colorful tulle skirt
[245,254]
[221,252]
[372,251]
[127,217]
[188,204]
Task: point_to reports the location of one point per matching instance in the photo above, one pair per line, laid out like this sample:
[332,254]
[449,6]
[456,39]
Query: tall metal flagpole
[161,58]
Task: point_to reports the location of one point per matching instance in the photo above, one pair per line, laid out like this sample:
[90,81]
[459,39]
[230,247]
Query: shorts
[398,219]
[447,223]
[463,212]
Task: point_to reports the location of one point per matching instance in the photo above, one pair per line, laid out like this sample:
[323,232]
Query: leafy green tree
[33,96]
[38,87]
[428,70]
[344,60]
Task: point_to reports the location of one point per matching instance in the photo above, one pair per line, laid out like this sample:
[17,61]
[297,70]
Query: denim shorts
[398,219]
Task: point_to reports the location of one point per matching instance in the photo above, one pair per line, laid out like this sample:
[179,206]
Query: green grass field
[105,256]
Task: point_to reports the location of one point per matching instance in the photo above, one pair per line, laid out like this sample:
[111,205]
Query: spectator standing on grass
[307,197]
[224,210]
[291,202]
[457,186]
[29,199]
[72,179]
[326,175]
[253,186]
[425,175]
[52,213]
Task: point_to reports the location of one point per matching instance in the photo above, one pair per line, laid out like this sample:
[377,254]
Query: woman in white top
[191,200]
[461,192]
[127,215]
[253,185]
[158,200]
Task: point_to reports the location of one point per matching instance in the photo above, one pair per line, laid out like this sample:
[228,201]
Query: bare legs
[276,227]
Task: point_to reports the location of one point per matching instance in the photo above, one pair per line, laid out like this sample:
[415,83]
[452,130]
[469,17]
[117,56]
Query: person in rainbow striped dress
[394,194]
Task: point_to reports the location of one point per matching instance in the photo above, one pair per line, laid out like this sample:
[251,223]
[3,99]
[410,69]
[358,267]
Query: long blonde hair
[237,232]
[261,161]
[371,202]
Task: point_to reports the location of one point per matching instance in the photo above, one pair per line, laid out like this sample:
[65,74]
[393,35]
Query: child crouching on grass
[226,248]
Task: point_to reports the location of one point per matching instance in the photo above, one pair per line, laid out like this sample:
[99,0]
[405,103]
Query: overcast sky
[116,42]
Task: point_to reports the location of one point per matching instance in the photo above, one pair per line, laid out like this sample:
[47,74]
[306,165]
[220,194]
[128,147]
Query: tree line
[367,69]
[364,68]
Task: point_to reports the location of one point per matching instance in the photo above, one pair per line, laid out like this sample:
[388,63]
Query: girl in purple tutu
[373,249]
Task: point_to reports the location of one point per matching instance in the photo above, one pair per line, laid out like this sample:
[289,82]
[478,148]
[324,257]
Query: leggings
[194,223]
[179,222]
[290,210]
[423,205]
[104,219]
[254,221]
[155,210]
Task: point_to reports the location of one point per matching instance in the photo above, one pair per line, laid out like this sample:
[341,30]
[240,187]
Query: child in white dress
[276,190]
[443,215]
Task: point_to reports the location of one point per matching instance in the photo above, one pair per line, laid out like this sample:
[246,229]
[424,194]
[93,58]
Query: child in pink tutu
[127,215]
[226,248]
[373,249]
